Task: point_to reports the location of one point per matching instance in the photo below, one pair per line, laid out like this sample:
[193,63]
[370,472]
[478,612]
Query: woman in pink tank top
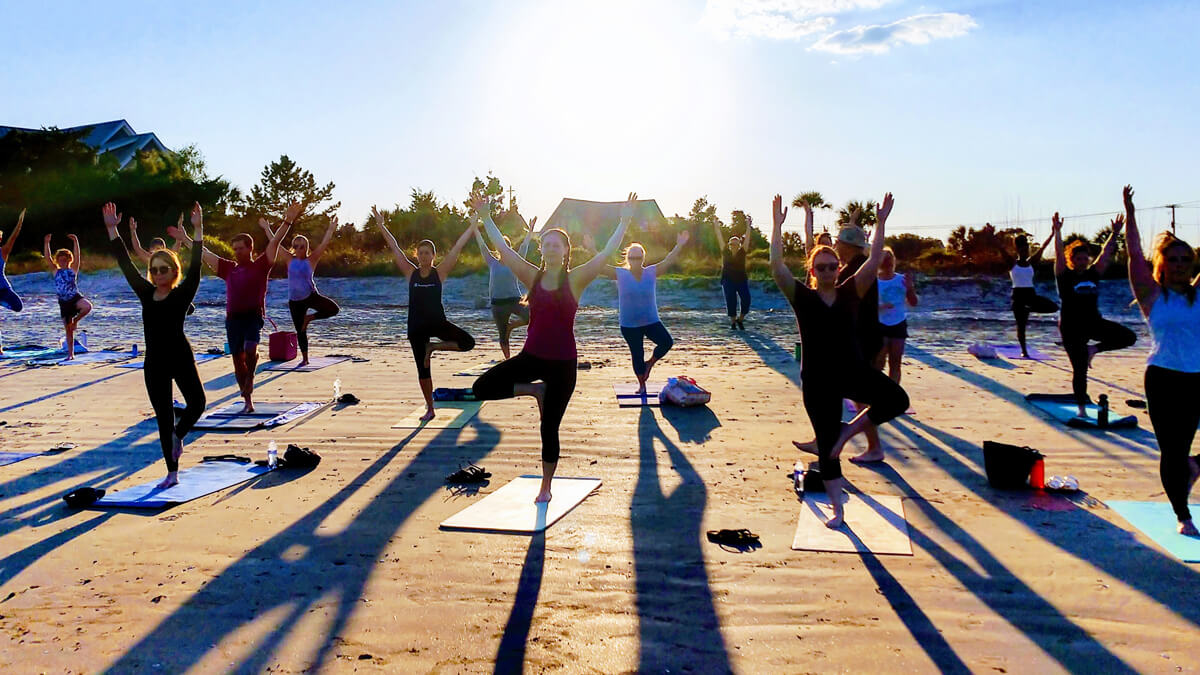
[545,368]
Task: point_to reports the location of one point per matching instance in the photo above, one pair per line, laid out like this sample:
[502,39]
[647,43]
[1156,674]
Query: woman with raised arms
[549,353]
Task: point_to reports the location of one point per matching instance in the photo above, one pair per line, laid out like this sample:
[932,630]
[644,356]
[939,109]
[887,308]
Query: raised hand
[682,238]
[293,212]
[47,240]
[111,217]
[1056,223]
[627,207]
[73,238]
[333,222]
[854,217]
[883,210]
[179,223]
[1117,223]
[778,210]
[264,226]
[132,224]
[377,216]
[197,218]
[1127,193]
[531,223]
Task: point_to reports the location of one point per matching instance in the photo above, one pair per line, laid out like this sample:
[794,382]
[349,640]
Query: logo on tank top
[1087,288]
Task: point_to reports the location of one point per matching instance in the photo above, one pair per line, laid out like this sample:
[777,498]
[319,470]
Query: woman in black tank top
[426,316]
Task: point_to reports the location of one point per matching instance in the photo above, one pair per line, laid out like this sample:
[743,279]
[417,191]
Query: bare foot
[247,408]
[303,362]
[543,497]
[641,385]
[171,480]
[835,522]
[176,447]
[870,456]
[1092,351]
[807,446]
[1187,529]
[429,414]
[838,445]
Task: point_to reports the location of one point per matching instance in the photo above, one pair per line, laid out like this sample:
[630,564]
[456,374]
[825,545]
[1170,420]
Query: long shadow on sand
[775,357]
[331,569]
[62,392]
[678,622]
[510,656]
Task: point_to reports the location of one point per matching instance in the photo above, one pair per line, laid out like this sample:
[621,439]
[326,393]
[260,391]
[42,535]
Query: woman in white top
[896,294]
[1024,298]
[637,303]
[1166,294]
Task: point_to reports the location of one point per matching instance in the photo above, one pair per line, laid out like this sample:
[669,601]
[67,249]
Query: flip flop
[741,540]
[469,475]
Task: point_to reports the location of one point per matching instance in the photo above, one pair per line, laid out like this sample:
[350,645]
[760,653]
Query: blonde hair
[64,251]
[1165,242]
[172,259]
[632,246]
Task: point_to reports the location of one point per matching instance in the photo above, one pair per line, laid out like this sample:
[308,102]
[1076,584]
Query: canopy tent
[580,216]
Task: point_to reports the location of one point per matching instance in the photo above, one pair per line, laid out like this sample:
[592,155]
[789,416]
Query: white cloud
[777,19]
[918,30]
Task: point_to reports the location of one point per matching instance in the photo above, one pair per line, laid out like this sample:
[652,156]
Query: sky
[968,111]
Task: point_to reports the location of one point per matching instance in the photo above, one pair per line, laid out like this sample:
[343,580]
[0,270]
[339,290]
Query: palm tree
[813,199]
[865,219]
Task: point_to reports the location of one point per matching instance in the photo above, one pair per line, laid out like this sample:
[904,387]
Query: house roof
[115,137]
[581,215]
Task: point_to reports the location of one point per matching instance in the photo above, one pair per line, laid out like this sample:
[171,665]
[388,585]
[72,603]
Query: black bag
[296,457]
[83,497]
[812,478]
[1008,466]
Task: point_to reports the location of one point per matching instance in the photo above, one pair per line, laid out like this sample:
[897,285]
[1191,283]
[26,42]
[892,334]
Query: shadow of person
[510,656]
[677,620]
[692,425]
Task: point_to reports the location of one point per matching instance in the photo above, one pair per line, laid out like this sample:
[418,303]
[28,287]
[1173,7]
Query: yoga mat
[7,458]
[511,508]
[478,369]
[872,525]
[28,352]
[852,408]
[202,479]
[627,395]
[264,415]
[141,363]
[1157,521]
[87,358]
[450,415]
[1014,352]
[315,363]
[1062,408]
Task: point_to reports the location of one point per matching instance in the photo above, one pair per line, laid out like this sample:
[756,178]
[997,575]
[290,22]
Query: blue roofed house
[116,138]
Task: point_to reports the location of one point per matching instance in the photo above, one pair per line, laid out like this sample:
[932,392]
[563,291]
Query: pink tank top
[551,332]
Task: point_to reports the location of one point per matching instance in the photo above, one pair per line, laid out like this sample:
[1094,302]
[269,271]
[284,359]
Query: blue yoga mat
[1157,521]
[1062,407]
[202,479]
[14,457]
[141,363]
[87,358]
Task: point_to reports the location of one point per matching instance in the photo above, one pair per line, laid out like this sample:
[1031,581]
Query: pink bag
[281,344]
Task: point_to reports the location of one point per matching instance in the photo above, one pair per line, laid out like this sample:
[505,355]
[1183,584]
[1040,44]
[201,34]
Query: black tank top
[425,299]
[733,265]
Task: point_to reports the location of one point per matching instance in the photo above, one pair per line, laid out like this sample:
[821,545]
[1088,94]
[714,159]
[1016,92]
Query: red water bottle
[1037,476]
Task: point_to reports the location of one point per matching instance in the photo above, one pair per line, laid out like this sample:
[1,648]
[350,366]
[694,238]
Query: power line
[1009,223]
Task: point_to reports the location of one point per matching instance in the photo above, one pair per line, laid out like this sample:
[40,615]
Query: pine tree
[283,182]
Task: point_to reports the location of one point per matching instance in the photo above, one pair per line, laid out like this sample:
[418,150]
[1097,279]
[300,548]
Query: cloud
[777,19]
[916,30]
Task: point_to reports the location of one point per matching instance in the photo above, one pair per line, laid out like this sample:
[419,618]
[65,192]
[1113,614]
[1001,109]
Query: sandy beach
[344,568]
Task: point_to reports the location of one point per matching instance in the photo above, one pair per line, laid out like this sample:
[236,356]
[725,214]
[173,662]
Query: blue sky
[967,111]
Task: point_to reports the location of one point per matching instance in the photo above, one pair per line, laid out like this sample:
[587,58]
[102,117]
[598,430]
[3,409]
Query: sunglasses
[825,267]
[157,269]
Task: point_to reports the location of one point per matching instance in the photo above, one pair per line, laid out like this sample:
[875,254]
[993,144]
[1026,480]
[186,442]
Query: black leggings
[502,309]
[325,309]
[657,333]
[1109,335]
[823,401]
[1174,413]
[524,368]
[1025,301]
[733,291]
[179,366]
[419,336]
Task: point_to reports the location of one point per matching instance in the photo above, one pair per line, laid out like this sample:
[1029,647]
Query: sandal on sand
[81,497]
[226,458]
[469,475]
[742,539]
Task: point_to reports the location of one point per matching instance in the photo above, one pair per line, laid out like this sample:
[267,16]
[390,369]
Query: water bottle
[272,455]
[337,388]
[1102,415]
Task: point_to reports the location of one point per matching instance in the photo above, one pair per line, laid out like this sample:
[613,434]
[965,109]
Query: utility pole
[1172,217]
[511,202]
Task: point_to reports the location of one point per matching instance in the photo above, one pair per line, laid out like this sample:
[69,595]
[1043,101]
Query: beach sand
[343,568]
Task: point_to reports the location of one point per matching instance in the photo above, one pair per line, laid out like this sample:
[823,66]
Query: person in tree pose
[302,290]
[72,306]
[503,289]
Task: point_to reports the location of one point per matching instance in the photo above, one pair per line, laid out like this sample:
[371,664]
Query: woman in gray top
[504,291]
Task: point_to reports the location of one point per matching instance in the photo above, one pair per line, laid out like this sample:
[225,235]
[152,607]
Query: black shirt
[1079,291]
[733,265]
[425,299]
[870,338]
[827,331]
[162,320]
